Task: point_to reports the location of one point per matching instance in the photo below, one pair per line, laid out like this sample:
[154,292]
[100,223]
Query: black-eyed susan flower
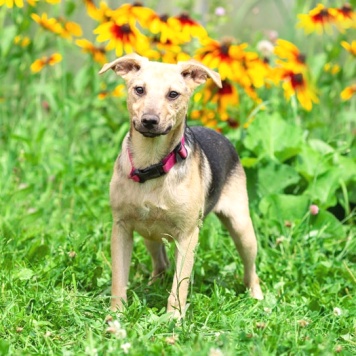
[297,84]
[350,47]
[165,28]
[348,92]
[69,29]
[122,37]
[289,56]
[318,19]
[39,64]
[345,17]
[135,11]
[221,56]
[98,53]
[189,28]
[49,24]
[101,13]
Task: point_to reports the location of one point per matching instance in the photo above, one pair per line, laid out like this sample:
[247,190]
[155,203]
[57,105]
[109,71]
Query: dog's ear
[125,66]
[195,73]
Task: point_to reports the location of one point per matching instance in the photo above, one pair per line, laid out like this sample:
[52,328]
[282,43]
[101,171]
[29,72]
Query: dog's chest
[154,213]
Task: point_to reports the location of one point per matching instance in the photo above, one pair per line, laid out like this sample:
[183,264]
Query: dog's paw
[256,292]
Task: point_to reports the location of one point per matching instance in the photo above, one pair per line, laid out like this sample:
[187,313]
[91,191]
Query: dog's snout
[150,121]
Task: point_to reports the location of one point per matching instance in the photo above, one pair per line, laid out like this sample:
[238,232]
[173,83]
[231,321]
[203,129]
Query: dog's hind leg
[233,211]
[159,258]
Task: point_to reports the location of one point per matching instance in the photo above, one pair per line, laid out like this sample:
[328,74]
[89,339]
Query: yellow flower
[290,56]
[296,84]
[98,53]
[189,28]
[331,68]
[208,117]
[70,29]
[350,47]
[348,92]
[39,64]
[119,91]
[101,14]
[23,41]
[49,24]
[318,19]
[10,3]
[221,56]
[345,17]
[166,28]
[123,37]
[53,1]
[135,11]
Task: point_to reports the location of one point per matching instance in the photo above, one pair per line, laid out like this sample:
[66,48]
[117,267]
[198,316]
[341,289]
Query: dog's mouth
[151,133]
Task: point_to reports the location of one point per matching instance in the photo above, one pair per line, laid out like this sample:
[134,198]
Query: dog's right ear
[125,66]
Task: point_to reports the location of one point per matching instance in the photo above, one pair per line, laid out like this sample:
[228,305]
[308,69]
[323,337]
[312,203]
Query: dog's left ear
[195,73]
[125,66]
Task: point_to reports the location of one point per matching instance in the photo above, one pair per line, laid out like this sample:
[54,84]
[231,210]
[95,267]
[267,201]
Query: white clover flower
[337,311]
[125,347]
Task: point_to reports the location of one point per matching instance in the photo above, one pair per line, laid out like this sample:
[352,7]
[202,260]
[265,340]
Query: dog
[168,177]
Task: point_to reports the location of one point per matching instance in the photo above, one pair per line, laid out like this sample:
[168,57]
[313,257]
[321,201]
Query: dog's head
[158,93]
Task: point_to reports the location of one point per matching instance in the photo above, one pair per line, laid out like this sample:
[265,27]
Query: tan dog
[168,177]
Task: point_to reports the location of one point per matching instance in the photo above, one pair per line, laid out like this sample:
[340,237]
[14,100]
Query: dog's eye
[139,90]
[173,94]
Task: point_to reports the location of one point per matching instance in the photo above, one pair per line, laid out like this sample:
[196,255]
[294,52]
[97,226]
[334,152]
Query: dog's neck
[146,151]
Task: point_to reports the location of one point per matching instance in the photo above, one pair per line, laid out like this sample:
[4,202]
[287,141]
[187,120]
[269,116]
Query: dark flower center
[301,58]
[163,17]
[297,80]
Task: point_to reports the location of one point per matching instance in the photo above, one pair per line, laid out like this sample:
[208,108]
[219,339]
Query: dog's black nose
[150,121]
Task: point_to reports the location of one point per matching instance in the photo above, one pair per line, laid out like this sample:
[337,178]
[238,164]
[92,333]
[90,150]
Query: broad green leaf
[249,162]
[327,225]
[283,207]
[8,34]
[311,163]
[271,136]
[268,183]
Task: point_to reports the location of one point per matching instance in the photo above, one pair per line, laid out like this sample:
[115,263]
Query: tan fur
[169,207]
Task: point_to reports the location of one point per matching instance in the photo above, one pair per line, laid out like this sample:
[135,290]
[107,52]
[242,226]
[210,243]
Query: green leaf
[311,163]
[7,38]
[249,162]
[327,225]
[24,274]
[283,207]
[271,136]
[267,182]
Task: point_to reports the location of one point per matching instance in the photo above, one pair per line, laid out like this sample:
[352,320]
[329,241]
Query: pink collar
[161,168]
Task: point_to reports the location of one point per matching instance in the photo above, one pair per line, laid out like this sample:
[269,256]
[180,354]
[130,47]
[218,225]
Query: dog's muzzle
[149,126]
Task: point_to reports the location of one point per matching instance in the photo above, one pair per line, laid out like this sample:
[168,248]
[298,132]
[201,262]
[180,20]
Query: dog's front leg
[121,251]
[184,258]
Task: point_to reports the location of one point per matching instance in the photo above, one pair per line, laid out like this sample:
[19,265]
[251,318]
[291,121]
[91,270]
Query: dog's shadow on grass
[155,295]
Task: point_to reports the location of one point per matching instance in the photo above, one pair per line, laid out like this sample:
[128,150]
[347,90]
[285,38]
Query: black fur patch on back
[222,158]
